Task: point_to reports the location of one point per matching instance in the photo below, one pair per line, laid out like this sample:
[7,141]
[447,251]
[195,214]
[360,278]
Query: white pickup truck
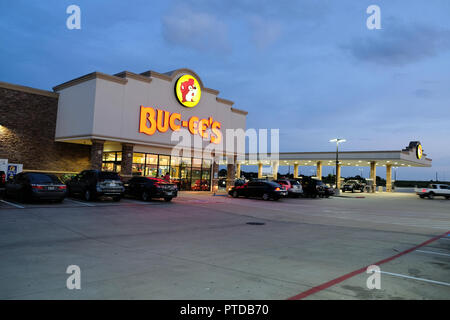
[434,190]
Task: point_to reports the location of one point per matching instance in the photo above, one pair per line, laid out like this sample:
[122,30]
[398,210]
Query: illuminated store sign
[419,151]
[188,91]
[152,119]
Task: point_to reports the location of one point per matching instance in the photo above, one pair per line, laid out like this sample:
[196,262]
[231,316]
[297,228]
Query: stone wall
[27,134]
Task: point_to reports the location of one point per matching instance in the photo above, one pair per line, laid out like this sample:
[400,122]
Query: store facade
[133,124]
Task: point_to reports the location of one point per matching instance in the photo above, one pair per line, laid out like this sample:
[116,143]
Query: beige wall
[110,110]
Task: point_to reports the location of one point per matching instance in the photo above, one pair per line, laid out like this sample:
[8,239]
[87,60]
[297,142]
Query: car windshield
[42,178]
[108,176]
[295,183]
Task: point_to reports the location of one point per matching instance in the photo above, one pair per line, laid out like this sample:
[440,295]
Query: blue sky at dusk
[309,67]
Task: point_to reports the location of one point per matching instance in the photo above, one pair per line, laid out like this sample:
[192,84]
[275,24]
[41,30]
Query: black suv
[92,184]
[257,188]
[312,188]
[353,185]
[146,188]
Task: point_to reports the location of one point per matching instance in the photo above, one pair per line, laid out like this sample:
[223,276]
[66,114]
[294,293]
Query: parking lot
[201,246]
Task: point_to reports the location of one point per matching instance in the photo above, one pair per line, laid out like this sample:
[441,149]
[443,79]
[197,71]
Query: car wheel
[168,199]
[87,195]
[422,196]
[266,196]
[235,194]
[431,196]
[117,199]
[448,198]
[145,196]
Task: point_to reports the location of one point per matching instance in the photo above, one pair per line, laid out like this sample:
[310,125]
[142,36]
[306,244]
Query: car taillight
[277,189]
[38,187]
[424,190]
[62,187]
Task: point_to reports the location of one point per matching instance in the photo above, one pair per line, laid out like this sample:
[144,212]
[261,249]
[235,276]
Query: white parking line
[79,202]
[433,252]
[12,204]
[414,278]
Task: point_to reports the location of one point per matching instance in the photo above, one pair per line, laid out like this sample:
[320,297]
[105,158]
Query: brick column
[319,170]
[238,170]
[215,175]
[389,178]
[231,171]
[260,166]
[97,154]
[338,177]
[296,170]
[127,160]
[275,170]
[373,175]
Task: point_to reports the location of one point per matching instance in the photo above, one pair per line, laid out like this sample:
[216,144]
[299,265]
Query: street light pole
[337,140]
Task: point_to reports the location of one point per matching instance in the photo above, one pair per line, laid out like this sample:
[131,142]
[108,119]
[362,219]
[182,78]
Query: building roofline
[16,87]
[90,76]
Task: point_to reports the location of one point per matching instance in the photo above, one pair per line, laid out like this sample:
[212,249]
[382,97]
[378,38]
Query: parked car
[312,188]
[328,191]
[2,181]
[91,184]
[147,188]
[293,187]
[434,190]
[27,186]
[257,188]
[353,185]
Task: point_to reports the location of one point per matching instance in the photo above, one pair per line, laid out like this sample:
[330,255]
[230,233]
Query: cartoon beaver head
[188,90]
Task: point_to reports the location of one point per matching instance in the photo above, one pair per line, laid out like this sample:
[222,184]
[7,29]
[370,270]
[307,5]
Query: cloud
[197,30]
[398,44]
[423,93]
[264,32]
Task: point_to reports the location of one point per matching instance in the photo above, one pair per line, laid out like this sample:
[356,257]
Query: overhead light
[337,140]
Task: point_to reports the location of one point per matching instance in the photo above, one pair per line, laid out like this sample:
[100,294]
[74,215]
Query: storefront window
[139,158]
[138,165]
[112,161]
[152,159]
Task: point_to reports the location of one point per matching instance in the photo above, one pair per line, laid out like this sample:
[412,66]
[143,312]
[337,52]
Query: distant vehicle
[353,185]
[312,188]
[147,188]
[260,189]
[434,190]
[293,187]
[91,184]
[27,186]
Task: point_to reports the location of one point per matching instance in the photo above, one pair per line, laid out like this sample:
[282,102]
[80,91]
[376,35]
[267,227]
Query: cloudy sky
[309,67]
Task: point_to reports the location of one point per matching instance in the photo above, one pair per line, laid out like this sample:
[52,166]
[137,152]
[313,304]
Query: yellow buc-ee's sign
[188,91]
[419,151]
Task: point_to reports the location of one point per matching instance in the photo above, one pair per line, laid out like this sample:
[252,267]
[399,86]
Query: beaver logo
[419,151]
[188,91]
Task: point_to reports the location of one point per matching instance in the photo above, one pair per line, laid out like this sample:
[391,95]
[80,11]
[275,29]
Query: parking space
[73,203]
[201,246]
